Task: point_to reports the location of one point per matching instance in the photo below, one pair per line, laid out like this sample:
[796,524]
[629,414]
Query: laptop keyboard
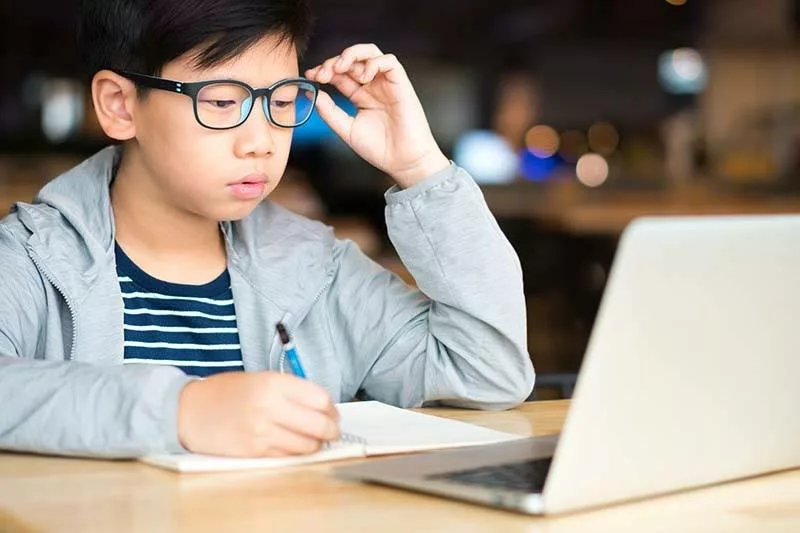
[525,476]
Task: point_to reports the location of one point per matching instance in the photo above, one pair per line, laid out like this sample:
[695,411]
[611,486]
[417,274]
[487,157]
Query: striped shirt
[192,327]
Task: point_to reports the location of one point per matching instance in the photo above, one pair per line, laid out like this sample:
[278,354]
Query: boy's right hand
[255,414]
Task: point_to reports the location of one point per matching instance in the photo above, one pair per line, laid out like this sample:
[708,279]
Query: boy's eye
[282,104]
[219,104]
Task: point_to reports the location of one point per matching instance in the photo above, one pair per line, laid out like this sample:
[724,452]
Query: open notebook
[368,428]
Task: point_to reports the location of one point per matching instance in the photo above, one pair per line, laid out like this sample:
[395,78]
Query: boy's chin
[234,214]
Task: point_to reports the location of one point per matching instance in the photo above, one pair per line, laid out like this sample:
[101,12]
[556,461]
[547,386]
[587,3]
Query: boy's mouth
[250,187]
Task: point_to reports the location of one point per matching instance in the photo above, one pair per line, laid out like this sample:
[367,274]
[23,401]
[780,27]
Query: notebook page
[386,429]
[192,462]
[368,428]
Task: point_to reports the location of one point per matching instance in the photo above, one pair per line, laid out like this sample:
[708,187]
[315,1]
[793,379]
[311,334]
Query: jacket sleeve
[71,408]
[461,338]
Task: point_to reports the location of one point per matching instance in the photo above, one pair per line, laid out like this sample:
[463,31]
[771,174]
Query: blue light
[537,168]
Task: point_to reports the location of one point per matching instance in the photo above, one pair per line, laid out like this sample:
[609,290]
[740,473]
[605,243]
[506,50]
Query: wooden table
[572,208]
[47,494]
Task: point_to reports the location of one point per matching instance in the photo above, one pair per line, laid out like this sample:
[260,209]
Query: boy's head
[176,160]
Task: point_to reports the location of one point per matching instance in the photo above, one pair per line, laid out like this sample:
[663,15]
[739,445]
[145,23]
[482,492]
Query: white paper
[389,430]
[380,429]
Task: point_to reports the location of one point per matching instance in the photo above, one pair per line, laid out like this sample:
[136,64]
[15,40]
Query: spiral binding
[352,439]
[345,439]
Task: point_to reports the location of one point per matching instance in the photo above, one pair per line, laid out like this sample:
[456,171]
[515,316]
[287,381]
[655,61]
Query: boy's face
[215,174]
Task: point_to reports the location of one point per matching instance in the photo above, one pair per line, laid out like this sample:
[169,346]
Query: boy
[158,262]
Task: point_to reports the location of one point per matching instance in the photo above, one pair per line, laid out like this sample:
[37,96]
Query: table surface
[571,208]
[52,494]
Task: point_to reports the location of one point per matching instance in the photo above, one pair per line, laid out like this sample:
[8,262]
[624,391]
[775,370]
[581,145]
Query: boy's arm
[462,339]
[71,408]
[78,409]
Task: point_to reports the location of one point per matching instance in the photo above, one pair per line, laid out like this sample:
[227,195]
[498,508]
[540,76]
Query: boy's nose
[255,138]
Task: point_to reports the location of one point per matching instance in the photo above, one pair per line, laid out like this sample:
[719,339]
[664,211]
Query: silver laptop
[691,378]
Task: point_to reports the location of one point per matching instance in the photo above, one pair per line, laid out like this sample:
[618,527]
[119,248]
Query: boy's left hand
[389,130]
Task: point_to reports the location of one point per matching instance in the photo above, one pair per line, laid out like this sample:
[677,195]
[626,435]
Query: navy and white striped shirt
[192,327]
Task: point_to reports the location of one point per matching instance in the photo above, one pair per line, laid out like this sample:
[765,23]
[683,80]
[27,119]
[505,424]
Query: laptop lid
[692,373]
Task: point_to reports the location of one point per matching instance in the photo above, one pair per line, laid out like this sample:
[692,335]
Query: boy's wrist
[423,169]
[186,409]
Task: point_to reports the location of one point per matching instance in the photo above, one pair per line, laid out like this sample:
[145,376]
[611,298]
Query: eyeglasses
[226,104]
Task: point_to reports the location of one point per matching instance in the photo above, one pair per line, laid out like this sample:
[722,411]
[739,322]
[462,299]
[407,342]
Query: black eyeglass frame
[192,89]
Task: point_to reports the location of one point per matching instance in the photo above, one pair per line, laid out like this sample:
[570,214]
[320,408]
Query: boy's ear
[114,99]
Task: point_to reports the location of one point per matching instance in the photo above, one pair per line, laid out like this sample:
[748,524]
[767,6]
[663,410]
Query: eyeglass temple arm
[152,82]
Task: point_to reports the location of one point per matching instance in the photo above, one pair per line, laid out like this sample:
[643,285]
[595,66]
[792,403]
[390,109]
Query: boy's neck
[166,242]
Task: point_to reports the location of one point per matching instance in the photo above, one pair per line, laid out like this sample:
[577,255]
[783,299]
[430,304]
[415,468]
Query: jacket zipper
[295,321]
[46,273]
[288,316]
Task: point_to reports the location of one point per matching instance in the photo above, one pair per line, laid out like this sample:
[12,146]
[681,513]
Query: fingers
[354,72]
[306,393]
[386,64]
[325,71]
[346,84]
[321,427]
[345,61]
[256,414]
[355,53]
[362,62]
[283,441]
[338,120]
[298,417]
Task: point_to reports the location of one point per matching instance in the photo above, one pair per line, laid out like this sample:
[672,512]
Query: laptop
[691,377]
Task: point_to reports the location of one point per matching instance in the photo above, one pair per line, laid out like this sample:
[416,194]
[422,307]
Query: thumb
[333,115]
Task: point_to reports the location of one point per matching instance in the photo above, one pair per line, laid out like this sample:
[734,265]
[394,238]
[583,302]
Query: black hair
[144,35]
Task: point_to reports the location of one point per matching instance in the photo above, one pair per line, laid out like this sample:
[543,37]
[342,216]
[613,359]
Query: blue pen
[290,351]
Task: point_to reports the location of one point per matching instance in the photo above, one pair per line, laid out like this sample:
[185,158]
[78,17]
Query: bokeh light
[542,141]
[592,170]
[487,156]
[603,138]
[537,168]
[682,71]
[62,109]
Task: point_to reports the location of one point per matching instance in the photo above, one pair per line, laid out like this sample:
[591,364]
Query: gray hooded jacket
[460,339]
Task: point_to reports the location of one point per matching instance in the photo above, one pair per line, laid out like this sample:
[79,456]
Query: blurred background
[575,116]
